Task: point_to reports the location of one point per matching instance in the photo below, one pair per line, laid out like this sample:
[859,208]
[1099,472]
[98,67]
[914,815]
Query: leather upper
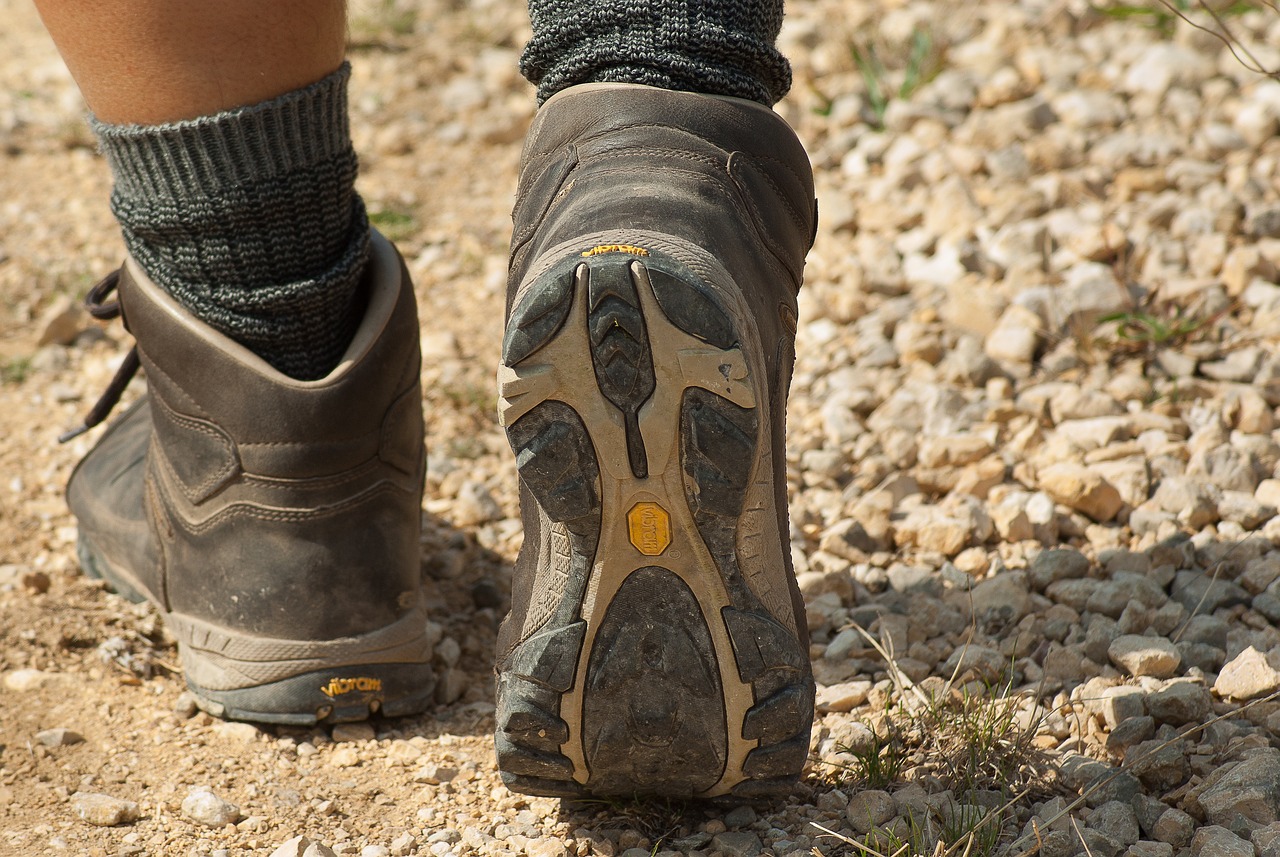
[263,496]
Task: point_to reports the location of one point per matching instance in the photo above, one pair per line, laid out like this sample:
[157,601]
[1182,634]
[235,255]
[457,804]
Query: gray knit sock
[250,220]
[720,47]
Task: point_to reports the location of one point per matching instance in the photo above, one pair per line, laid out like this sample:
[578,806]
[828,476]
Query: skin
[148,62]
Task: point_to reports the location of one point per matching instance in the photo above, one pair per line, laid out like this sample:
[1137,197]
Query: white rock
[1015,336]
[1082,489]
[1163,65]
[205,807]
[344,757]
[58,737]
[25,679]
[1130,476]
[1091,433]
[241,733]
[1089,108]
[1145,656]
[103,810]
[1248,675]
[475,505]
[869,809]
[843,697]
[301,846]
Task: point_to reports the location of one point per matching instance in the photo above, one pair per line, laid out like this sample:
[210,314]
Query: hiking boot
[657,641]
[274,522]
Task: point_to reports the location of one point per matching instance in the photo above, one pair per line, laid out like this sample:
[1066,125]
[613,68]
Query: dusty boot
[274,522]
[657,642]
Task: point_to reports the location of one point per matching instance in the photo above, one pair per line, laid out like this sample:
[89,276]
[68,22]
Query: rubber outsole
[343,692]
[634,398]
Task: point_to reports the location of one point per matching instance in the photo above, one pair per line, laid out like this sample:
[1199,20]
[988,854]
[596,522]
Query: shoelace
[100,308]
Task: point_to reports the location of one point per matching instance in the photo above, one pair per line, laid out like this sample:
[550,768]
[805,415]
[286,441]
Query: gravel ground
[1034,453]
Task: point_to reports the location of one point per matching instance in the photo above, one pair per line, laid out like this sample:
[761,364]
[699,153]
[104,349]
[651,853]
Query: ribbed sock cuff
[707,46]
[250,219]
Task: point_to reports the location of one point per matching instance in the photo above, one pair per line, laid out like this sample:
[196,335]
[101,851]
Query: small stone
[842,697]
[1248,795]
[1060,564]
[1244,509]
[205,807]
[450,685]
[736,844]
[1099,844]
[1146,848]
[1129,733]
[375,851]
[301,846]
[240,733]
[103,810]
[1239,366]
[1203,593]
[1015,336]
[433,774]
[37,582]
[23,680]
[185,705]
[1145,656]
[344,757]
[401,845]
[402,754]
[1211,630]
[1117,820]
[1004,597]
[1118,704]
[1192,500]
[62,322]
[352,732]
[1267,840]
[741,816]
[986,663]
[545,848]
[1214,841]
[1082,489]
[1174,827]
[870,809]
[1248,675]
[475,505]
[1181,703]
[58,737]
[1161,765]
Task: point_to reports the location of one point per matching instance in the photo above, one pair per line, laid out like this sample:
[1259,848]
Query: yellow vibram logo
[339,686]
[649,527]
[616,248]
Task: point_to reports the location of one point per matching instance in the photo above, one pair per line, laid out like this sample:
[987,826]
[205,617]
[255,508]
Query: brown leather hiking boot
[657,642]
[274,522]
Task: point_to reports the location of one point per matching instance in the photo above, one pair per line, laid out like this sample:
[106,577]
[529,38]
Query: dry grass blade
[866,849]
[1076,827]
[1225,35]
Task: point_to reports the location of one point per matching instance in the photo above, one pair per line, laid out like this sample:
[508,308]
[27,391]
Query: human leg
[657,642]
[225,126]
[707,46]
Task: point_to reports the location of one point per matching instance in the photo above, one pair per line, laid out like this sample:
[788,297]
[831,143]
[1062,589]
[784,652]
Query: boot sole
[633,395]
[310,682]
